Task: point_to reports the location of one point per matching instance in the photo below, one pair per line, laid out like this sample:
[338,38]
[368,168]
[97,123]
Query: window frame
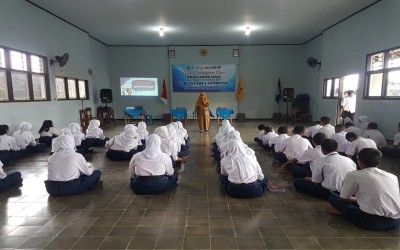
[8,70]
[385,72]
[332,91]
[67,98]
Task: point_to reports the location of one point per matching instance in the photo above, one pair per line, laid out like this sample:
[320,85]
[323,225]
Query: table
[179,114]
[224,114]
[134,114]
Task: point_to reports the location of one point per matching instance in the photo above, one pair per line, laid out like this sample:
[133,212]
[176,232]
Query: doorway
[344,84]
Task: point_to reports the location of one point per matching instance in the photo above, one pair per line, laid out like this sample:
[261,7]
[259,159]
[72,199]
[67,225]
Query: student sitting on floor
[349,127]
[10,179]
[181,134]
[269,134]
[96,133]
[293,146]
[168,146]
[184,132]
[63,131]
[327,172]
[363,123]
[326,128]
[300,166]
[241,174]
[177,139]
[311,131]
[394,150]
[68,171]
[47,132]
[143,134]
[276,142]
[376,201]
[374,134]
[26,140]
[8,146]
[123,146]
[261,129]
[356,144]
[151,170]
[82,144]
[340,137]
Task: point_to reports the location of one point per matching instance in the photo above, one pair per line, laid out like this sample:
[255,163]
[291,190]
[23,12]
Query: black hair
[268,129]
[298,129]
[261,127]
[350,92]
[46,126]
[371,157]
[339,126]
[317,122]
[318,138]
[325,119]
[348,124]
[351,135]
[372,125]
[3,129]
[282,130]
[329,145]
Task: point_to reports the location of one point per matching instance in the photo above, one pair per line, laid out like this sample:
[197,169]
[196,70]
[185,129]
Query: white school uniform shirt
[341,140]
[277,141]
[24,138]
[310,155]
[294,146]
[311,131]
[239,166]
[267,137]
[353,129]
[3,175]
[376,136]
[349,103]
[8,143]
[151,161]
[331,170]
[52,132]
[357,145]
[95,133]
[261,134]
[327,129]
[396,140]
[376,191]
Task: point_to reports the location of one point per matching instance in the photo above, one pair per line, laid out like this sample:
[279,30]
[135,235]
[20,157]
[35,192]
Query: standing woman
[202,112]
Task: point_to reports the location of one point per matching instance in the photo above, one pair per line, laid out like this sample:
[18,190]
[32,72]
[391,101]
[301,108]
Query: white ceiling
[203,22]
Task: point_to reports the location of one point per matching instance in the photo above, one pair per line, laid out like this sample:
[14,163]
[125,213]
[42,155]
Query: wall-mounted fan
[312,62]
[61,60]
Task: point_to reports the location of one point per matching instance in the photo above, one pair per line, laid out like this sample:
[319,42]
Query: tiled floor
[195,215]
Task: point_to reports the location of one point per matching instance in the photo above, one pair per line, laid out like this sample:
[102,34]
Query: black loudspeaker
[288,94]
[106,95]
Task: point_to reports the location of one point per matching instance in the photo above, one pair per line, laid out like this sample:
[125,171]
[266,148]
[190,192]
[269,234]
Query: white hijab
[175,134]
[142,130]
[64,146]
[75,128]
[65,131]
[182,130]
[128,138]
[221,137]
[93,126]
[153,148]
[167,145]
[24,126]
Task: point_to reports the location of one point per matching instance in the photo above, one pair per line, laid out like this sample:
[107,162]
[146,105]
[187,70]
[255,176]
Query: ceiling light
[247,32]
[161,32]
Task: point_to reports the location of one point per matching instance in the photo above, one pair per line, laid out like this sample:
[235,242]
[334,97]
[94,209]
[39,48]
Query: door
[344,84]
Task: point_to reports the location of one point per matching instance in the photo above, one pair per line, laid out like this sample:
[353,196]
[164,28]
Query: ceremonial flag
[239,95]
[164,97]
[278,92]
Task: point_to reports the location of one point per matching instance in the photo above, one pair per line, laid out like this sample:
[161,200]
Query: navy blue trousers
[73,187]
[310,188]
[12,179]
[116,155]
[243,191]
[97,142]
[8,155]
[281,157]
[355,215]
[37,148]
[391,152]
[48,140]
[299,170]
[267,147]
[148,185]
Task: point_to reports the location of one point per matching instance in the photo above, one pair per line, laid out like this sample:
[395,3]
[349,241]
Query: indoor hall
[194,215]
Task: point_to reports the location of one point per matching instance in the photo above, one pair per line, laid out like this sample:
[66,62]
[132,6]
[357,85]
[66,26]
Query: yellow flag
[239,95]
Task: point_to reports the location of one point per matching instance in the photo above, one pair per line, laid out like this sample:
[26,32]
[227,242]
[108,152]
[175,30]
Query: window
[23,76]
[382,77]
[331,88]
[71,89]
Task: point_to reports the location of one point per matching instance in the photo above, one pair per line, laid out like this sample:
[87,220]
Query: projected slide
[133,86]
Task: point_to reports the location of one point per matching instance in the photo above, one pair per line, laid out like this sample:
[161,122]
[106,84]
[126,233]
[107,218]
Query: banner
[203,78]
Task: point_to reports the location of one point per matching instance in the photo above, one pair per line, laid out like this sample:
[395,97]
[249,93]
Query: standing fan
[312,62]
[61,60]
